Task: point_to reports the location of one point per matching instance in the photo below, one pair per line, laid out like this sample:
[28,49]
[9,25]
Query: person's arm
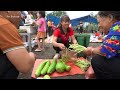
[90,51]
[74,39]
[12,45]
[96,51]
[39,22]
[109,47]
[72,36]
[21,59]
[55,44]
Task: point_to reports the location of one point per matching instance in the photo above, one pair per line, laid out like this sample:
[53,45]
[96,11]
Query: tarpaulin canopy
[55,19]
[87,18]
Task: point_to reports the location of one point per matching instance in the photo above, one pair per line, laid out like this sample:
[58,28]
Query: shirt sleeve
[56,33]
[110,46]
[10,38]
[71,32]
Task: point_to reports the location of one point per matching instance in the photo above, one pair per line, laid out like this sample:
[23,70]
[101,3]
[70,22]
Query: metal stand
[29,39]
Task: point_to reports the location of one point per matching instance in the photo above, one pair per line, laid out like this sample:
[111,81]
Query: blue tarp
[88,18]
[55,19]
[74,22]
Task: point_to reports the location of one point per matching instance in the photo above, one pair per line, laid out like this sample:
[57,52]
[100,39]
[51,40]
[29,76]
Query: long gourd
[51,69]
[39,69]
[44,70]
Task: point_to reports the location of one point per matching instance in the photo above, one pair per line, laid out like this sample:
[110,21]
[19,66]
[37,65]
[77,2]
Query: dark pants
[50,31]
[106,68]
[7,70]
[59,40]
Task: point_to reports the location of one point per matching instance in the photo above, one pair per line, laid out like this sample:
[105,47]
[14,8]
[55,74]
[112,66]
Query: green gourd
[44,70]
[51,69]
[46,77]
[67,67]
[60,67]
[39,69]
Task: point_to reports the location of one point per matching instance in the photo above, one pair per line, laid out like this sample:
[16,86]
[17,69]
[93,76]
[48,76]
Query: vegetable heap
[46,68]
[77,48]
[83,64]
[66,56]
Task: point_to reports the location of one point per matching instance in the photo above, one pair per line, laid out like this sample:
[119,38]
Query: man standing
[80,27]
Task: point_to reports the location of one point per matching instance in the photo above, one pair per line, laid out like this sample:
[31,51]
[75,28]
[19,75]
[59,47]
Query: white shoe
[38,50]
[57,55]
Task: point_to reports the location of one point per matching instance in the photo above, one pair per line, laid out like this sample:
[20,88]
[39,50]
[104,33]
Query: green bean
[83,64]
[77,48]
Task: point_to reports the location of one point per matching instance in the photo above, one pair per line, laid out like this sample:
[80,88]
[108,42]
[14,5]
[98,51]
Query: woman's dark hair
[115,14]
[42,13]
[65,18]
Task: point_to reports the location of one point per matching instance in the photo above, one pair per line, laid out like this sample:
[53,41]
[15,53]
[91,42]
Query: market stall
[68,65]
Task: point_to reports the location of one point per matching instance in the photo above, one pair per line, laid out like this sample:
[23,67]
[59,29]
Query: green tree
[57,13]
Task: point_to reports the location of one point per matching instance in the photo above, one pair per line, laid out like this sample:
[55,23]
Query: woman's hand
[61,46]
[88,51]
[76,43]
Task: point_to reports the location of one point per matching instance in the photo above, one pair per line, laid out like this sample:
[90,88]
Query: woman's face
[65,24]
[38,15]
[104,23]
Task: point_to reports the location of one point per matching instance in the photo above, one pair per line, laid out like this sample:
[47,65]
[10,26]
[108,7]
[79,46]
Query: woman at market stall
[14,58]
[106,60]
[61,36]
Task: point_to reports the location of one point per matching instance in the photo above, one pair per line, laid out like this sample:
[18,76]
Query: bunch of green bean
[83,64]
[65,58]
[77,48]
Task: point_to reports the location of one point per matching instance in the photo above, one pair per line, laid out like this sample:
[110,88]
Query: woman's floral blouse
[111,44]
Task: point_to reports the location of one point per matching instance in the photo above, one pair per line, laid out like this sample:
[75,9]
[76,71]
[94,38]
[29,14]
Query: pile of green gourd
[47,68]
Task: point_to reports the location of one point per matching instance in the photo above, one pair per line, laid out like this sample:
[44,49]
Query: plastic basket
[83,39]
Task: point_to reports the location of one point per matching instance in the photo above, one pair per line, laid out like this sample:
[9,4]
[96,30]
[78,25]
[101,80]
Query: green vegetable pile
[46,68]
[61,66]
[77,48]
[83,64]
